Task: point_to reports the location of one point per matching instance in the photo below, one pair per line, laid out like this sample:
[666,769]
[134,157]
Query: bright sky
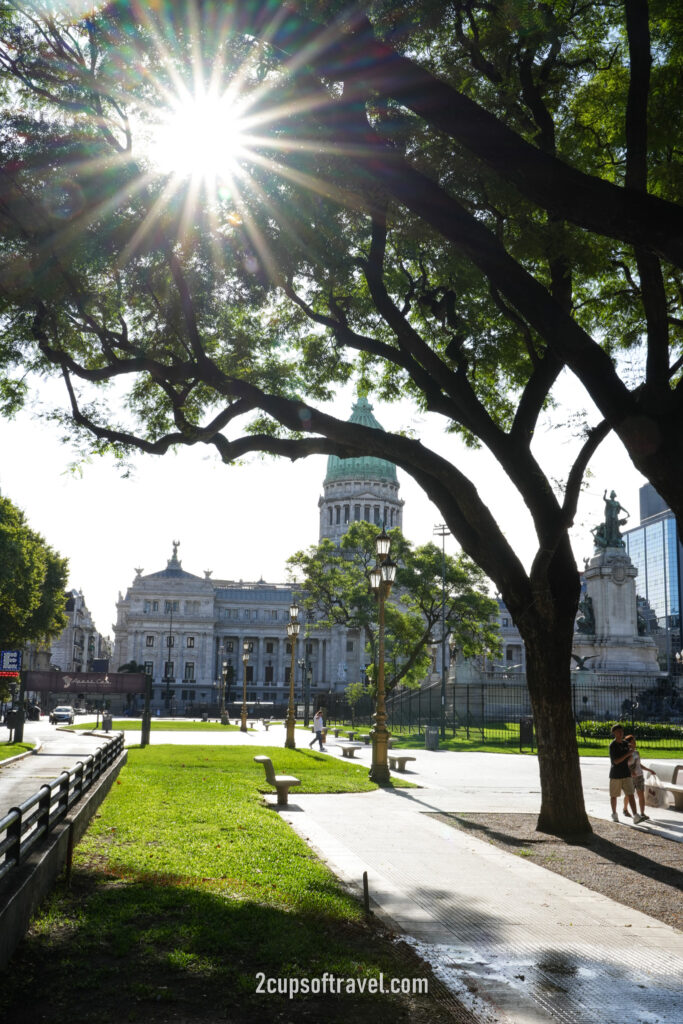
[243,522]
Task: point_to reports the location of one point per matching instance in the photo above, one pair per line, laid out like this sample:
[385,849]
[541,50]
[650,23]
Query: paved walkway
[514,941]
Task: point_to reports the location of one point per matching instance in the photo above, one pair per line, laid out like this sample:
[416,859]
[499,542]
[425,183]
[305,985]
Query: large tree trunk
[548,676]
[545,619]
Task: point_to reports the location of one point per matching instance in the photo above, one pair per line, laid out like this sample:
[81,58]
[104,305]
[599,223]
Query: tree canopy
[451,202]
[337,591]
[32,582]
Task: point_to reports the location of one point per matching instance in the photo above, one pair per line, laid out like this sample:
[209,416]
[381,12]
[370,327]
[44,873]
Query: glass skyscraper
[657,554]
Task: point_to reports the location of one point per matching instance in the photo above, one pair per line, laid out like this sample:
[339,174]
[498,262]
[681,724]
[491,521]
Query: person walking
[318,729]
[637,768]
[620,780]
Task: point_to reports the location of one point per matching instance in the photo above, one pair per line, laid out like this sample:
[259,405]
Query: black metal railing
[650,708]
[23,827]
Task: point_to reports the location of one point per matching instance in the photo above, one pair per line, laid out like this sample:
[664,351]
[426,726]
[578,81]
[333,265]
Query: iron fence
[500,710]
[23,827]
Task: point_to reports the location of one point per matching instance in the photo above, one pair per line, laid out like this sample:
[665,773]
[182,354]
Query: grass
[184,887]
[160,725]
[494,743]
[8,750]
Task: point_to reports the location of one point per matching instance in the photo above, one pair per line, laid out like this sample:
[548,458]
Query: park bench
[282,783]
[364,738]
[349,749]
[397,762]
[670,776]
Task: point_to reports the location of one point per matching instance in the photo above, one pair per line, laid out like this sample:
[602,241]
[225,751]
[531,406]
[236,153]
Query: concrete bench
[397,762]
[351,734]
[364,738]
[670,776]
[282,783]
[336,732]
[266,725]
[349,749]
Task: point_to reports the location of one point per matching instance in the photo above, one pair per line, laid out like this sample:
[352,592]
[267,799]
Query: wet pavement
[514,942]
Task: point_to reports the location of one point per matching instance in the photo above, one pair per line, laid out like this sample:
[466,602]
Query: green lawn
[8,750]
[184,887]
[498,744]
[161,725]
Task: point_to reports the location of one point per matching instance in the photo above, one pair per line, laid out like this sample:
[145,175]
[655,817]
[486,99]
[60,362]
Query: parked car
[65,713]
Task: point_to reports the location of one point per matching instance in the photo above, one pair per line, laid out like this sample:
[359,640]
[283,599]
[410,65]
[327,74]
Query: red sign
[86,682]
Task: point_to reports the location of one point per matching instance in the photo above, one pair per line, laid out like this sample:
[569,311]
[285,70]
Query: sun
[201,136]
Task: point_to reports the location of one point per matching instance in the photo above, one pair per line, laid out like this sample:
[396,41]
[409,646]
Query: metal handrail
[23,827]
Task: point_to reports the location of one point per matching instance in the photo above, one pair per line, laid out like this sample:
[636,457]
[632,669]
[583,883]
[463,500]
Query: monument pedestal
[615,646]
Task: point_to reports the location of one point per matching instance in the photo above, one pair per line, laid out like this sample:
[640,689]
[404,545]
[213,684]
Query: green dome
[364,467]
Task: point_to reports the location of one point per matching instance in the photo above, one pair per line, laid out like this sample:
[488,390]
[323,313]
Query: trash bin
[431,737]
[205,717]
[106,722]
[526,732]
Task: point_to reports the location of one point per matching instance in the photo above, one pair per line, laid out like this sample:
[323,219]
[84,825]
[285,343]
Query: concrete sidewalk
[515,942]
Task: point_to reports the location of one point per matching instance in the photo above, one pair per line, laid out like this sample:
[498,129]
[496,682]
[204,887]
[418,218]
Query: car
[64,713]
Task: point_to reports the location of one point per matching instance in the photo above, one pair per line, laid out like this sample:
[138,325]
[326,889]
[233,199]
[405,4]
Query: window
[329,516]
[171,606]
[338,511]
[288,672]
[347,513]
[367,514]
[149,668]
[349,646]
[309,648]
[269,647]
[273,613]
[288,648]
[192,607]
[151,606]
[169,672]
[377,519]
[189,670]
[190,641]
[228,646]
[149,641]
[170,641]
[247,613]
[269,673]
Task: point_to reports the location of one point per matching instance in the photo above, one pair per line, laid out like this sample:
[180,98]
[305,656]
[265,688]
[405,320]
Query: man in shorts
[620,780]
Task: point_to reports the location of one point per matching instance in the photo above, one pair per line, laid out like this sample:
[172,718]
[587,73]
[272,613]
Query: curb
[20,757]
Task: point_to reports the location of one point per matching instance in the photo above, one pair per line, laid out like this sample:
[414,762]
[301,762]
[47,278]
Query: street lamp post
[246,648]
[381,579]
[442,531]
[292,632]
[224,676]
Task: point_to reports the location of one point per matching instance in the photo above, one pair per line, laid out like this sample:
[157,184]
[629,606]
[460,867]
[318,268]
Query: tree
[337,591]
[32,583]
[355,692]
[445,206]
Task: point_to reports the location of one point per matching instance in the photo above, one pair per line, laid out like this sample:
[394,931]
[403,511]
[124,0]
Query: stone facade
[204,622]
[79,644]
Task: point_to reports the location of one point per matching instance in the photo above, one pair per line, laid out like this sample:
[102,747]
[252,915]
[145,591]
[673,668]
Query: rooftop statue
[607,534]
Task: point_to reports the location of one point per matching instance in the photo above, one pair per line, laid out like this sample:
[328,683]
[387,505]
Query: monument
[607,633]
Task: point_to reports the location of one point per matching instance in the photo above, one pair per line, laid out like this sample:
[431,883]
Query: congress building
[189,630]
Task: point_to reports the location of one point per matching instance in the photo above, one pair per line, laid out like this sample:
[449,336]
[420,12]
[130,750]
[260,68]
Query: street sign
[10,661]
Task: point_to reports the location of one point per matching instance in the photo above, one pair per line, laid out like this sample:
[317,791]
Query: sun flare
[200,137]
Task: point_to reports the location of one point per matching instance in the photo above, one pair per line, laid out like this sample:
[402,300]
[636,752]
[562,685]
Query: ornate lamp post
[293,628]
[246,648]
[381,579]
[224,676]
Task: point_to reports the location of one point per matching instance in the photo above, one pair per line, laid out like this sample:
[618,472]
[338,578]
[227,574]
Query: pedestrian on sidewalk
[318,729]
[636,767]
[620,780]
